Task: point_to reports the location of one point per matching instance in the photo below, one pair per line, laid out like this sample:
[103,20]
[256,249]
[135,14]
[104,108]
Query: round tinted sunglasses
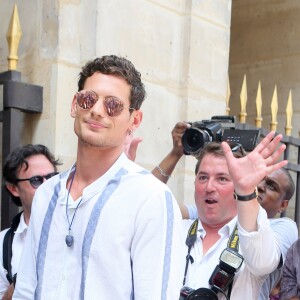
[113,106]
[37,180]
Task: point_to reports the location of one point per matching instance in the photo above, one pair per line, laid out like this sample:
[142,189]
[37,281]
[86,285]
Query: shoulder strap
[190,241]
[7,245]
[233,243]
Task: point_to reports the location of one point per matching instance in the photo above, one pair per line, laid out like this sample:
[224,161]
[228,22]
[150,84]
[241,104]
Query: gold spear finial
[289,115]
[13,37]
[274,110]
[228,97]
[258,119]
[243,98]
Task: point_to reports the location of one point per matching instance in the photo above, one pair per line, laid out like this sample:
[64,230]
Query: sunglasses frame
[89,99]
[37,178]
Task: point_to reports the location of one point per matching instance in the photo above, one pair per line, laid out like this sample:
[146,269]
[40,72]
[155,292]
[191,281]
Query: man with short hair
[24,170]
[274,192]
[106,228]
[225,197]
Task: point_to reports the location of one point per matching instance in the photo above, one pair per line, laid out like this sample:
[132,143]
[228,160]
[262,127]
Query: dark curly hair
[118,66]
[18,158]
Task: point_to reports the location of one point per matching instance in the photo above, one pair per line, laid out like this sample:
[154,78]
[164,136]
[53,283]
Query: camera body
[218,129]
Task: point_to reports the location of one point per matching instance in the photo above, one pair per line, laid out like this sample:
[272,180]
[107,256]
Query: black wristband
[247,197]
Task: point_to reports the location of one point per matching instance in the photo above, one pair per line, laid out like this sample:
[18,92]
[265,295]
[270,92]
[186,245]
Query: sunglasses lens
[36,181]
[86,99]
[113,106]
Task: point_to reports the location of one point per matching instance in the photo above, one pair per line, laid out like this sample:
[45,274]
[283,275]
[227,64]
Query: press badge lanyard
[233,243]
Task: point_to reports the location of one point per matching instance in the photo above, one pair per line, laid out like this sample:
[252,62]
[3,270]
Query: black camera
[219,281]
[218,129]
[187,293]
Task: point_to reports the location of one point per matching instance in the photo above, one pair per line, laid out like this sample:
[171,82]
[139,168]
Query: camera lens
[193,140]
[203,294]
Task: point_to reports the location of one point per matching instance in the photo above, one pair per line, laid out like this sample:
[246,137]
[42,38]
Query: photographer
[214,195]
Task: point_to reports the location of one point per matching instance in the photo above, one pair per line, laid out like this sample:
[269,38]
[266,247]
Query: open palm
[247,172]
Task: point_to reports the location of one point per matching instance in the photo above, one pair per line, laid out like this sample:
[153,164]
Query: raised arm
[247,173]
[166,167]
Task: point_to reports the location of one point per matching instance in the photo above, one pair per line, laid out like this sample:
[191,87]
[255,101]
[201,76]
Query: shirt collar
[227,229]
[96,185]
[22,225]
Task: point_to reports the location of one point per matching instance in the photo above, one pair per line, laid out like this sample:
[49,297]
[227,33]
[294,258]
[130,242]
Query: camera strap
[190,241]
[7,246]
[233,243]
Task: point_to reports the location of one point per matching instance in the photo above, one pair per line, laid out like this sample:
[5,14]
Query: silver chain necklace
[69,237]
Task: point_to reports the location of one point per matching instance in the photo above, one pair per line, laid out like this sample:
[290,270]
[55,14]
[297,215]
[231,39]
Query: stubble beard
[93,142]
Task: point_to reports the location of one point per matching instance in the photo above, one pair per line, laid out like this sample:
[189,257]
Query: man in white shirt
[24,170]
[274,192]
[106,228]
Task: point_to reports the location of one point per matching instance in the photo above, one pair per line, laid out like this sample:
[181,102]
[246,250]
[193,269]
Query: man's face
[271,193]
[214,192]
[37,165]
[94,127]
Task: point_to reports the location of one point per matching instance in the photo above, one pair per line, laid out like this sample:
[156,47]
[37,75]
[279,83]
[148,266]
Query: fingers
[227,150]
[268,144]
[269,148]
[180,128]
[133,147]
[272,168]
[177,134]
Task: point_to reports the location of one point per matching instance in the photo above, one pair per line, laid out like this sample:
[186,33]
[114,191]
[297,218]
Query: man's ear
[136,119]
[73,107]
[283,206]
[13,189]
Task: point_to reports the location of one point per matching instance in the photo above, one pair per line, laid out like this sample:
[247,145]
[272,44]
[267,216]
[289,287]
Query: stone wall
[180,47]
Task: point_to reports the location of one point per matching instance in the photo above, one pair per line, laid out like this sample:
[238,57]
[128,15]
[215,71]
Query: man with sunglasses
[24,170]
[106,228]
[274,193]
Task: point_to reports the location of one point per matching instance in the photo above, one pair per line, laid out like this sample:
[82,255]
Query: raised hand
[177,134]
[247,172]
[131,145]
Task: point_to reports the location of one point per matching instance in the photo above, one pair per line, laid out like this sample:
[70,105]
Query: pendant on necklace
[69,240]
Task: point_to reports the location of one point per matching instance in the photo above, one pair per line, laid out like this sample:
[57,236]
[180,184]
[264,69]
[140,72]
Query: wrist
[176,154]
[162,172]
[246,197]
